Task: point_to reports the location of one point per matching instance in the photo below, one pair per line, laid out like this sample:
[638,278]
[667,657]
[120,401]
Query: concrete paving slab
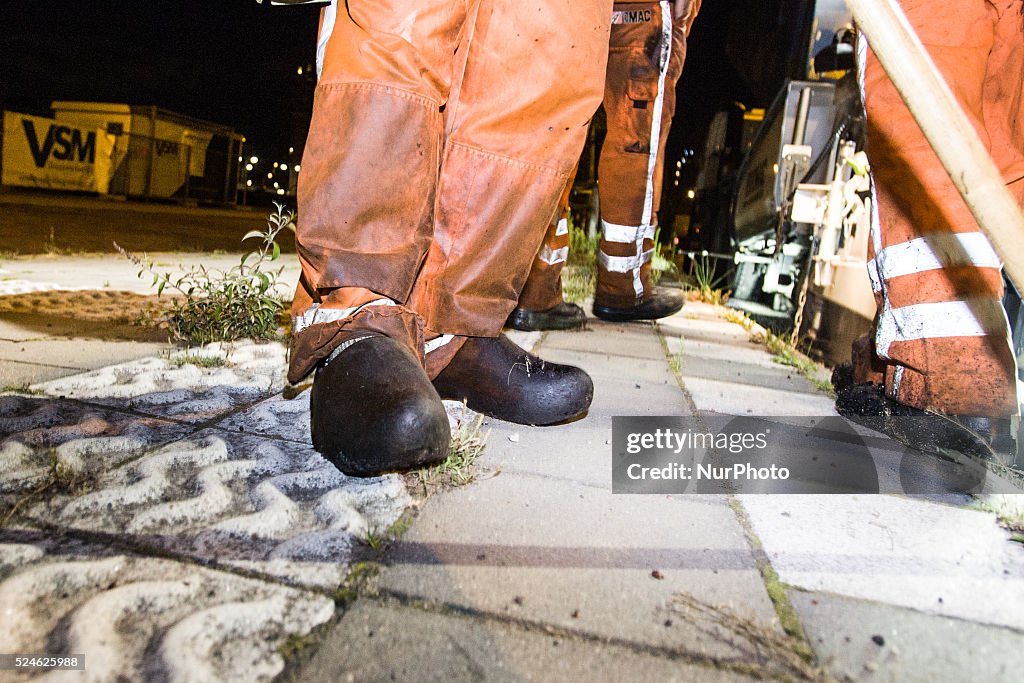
[572,556]
[377,642]
[137,618]
[15,376]
[613,398]
[867,641]
[629,340]
[780,377]
[76,354]
[609,366]
[580,452]
[736,398]
[114,272]
[265,505]
[934,558]
[694,350]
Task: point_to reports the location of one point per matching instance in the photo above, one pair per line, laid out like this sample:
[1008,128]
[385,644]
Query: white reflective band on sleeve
[624,264]
[659,105]
[553,256]
[897,379]
[330,15]
[974,318]
[935,251]
[562,227]
[317,315]
[876,282]
[435,344]
[626,234]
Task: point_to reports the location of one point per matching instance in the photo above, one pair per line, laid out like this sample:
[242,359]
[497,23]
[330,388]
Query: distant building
[121,149]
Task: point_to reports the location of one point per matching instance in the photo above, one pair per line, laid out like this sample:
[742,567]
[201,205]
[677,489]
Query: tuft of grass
[59,479]
[459,468]
[295,644]
[214,305]
[199,360]
[704,284]
[740,318]
[19,388]
[772,655]
[579,275]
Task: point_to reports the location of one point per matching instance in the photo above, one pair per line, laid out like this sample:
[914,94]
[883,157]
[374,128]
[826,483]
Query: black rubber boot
[373,410]
[664,303]
[944,435]
[499,379]
[564,316]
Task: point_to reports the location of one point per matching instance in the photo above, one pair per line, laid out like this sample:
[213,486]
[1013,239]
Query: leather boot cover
[373,410]
[499,379]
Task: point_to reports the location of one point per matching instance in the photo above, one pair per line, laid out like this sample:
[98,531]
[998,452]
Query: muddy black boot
[564,316]
[499,379]
[373,410]
[663,303]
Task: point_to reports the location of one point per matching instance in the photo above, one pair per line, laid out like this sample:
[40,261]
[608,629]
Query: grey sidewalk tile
[17,375]
[866,641]
[605,366]
[575,557]
[911,553]
[711,352]
[780,377]
[139,618]
[375,642]
[241,500]
[625,397]
[85,354]
[579,452]
[628,341]
[734,398]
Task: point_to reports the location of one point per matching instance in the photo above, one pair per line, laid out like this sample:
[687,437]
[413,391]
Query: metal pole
[946,126]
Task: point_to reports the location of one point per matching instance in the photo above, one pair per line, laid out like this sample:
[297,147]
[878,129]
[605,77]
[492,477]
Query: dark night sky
[234,62]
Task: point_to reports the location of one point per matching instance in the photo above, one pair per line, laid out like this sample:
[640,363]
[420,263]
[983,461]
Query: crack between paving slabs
[776,590]
[389,598]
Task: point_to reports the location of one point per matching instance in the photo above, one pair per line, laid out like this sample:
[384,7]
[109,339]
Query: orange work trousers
[647,49]
[442,136]
[942,333]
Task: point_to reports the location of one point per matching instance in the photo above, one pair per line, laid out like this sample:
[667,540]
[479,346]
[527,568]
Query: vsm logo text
[62,143]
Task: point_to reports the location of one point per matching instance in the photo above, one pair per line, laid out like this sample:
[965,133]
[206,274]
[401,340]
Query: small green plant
[579,276]
[459,468]
[50,245]
[199,360]
[706,286]
[661,265]
[216,305]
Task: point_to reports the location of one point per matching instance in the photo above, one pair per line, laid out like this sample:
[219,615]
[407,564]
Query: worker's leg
[646,54]
[941,329]
[369,171]
[514,130]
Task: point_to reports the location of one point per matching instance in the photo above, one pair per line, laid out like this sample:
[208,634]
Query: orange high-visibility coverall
[942,331]
[646,54]
[442,136]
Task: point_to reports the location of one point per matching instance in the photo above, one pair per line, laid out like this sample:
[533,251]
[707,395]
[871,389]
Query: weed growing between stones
[59,479]
[774,654]
[226,305]
[579,276]
[459,468]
